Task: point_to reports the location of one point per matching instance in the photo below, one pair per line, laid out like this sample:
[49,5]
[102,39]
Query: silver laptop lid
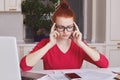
[9,62]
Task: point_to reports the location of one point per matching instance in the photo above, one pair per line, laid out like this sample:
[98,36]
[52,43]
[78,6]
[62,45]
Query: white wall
[100,20]
[96,21]
[89,20]
[11,24]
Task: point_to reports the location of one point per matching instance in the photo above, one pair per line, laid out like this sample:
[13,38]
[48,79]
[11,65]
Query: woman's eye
[61,27]
[69,27]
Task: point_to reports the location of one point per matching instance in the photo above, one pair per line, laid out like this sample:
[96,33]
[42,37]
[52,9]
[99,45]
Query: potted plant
[37,15]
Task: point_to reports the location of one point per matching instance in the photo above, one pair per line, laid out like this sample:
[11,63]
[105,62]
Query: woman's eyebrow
[71,25]
[67,25]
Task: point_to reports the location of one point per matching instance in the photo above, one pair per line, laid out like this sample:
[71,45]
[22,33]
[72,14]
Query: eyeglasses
[62,28]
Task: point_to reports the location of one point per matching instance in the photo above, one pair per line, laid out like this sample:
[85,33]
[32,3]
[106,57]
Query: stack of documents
[85,75]
[60,75]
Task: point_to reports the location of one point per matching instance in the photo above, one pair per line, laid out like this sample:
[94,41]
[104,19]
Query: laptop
[9,62]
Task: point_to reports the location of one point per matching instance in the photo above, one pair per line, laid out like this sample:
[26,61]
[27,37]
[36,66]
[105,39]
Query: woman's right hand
[53,35]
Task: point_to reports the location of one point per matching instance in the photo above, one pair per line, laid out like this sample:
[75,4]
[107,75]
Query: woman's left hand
[77,35]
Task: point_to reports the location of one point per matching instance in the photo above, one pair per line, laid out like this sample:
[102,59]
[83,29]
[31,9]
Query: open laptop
[9,62]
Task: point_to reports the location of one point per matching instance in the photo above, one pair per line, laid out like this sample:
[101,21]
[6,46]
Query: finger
[56,33]
[78,34]
[74,34]
[53,27]
[76,27]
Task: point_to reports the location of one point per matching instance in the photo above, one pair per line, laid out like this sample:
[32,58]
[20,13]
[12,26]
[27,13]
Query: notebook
[33,76]
[9,62]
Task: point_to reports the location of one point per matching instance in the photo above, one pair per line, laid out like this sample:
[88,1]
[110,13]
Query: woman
[65,48]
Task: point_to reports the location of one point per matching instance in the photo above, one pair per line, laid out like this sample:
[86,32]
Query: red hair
[63,10]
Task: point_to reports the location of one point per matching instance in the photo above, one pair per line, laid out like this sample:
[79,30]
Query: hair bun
[64,5]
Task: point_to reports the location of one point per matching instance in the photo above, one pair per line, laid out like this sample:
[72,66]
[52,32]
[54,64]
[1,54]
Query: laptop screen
[9,62]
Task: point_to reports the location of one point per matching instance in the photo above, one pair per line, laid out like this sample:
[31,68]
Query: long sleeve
[23,64]
[102,62]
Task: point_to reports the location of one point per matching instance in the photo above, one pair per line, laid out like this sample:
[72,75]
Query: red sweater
[56,59]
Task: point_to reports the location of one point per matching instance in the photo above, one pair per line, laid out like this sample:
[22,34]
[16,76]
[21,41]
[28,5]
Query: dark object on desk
[117,77]
[72,76]
[32,76]
[116,72]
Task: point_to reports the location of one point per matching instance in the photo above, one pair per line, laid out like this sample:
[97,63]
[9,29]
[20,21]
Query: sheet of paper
[95,75]
[58,76]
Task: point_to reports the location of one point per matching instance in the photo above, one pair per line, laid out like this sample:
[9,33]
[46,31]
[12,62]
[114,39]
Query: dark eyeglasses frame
[66,28]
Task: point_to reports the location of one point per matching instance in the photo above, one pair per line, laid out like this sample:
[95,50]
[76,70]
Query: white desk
[86,74]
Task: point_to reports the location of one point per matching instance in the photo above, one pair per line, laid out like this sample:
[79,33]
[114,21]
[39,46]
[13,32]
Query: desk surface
[86,74]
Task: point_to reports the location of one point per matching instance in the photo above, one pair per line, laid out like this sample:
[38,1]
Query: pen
[116,72]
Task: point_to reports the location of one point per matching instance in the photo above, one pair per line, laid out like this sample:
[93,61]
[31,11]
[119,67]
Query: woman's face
[65,27]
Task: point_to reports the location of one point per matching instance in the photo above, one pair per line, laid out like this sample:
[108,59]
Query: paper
[58,76]
[95,75]
[86,75]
